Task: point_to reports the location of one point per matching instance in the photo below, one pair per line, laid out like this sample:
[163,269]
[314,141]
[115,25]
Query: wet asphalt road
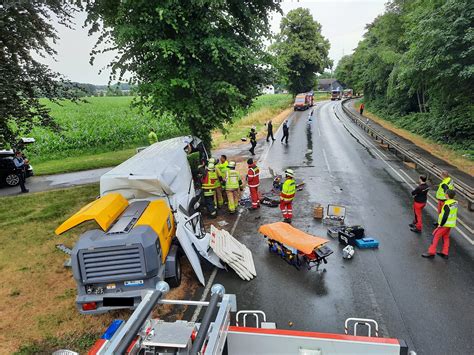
[428,303]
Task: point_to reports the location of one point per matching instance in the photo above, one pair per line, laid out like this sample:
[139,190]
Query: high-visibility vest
[222,168]
[288,190]
[213,176]
[232,180]
[253,176]
[208,184]
[152,138]
[453,214]
[440,195]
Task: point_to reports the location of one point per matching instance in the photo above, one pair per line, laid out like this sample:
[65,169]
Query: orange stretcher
[295,246]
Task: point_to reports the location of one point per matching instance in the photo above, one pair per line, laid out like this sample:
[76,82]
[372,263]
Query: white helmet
[210,166]
[231,164]
[212,160]
[289,172]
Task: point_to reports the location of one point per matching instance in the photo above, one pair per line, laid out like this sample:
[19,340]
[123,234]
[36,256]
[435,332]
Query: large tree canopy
[300,51]
[415,65]
[198,59]
[25,29]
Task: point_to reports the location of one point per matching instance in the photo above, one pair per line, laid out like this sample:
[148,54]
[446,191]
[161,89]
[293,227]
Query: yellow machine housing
[159,217]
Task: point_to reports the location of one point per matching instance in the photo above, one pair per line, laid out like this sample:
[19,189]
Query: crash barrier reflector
[233,253]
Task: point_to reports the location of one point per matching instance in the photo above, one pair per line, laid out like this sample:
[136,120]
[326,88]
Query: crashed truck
[147,213]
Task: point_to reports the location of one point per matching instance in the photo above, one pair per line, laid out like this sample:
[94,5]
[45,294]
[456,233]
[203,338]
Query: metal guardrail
[408,156]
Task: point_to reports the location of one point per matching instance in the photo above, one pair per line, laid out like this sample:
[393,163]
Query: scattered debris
[348,252]
[222,223]
[233,253]
[64,249]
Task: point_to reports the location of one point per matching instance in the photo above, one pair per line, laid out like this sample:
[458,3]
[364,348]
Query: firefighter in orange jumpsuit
[253,182]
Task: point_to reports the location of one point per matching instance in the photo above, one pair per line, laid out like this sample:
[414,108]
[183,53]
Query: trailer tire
[175,280]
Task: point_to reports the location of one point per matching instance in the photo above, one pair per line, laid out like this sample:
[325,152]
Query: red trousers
[417,208]
[286,208]
[254,197]
[440,205]
[438,233]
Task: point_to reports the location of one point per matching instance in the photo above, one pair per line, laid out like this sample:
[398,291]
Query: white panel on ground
[233,253]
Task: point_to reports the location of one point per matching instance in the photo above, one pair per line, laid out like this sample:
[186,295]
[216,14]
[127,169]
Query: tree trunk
[418,99]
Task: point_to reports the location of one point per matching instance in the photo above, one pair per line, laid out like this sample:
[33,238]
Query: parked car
[8,172]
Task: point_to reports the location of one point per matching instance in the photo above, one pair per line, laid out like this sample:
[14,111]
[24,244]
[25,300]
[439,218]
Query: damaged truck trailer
[147,214]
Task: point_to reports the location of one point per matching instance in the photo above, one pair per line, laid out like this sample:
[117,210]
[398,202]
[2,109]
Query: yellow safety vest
[453,214]
[222,169]
[288,190]
[213,175]
[152,138]
[208,185]
[233,180]
[440,195]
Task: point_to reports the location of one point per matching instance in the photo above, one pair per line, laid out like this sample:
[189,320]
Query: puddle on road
[309,144]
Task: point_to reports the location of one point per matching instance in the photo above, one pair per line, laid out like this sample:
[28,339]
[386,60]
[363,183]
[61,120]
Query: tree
[199,59]
[300,51]
[415,66]
[25,28]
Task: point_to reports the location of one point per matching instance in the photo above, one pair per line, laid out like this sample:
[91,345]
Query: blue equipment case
[367,243]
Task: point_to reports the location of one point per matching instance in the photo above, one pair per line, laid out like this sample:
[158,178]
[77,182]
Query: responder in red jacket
[253,182]
[446,221]
[287,195]
[420,196]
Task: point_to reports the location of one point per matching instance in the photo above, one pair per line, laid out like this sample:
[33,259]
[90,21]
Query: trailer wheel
[175,280]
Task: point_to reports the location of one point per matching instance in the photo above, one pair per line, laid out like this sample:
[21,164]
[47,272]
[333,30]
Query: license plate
[134,283]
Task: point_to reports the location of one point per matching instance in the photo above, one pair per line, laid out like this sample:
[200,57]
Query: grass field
[105,131]
[84,162]
[37,293]
[102,124]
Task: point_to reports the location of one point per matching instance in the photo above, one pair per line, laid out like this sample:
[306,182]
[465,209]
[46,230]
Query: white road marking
[377,151]
[326,160]
[319,132]
[212,277]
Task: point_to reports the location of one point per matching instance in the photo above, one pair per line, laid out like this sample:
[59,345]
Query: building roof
[326,81]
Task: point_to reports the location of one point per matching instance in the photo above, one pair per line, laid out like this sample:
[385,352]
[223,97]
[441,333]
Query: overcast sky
[343,23]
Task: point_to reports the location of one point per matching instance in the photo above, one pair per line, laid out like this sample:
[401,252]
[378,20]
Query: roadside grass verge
[37,294]
[440,151]
[82,162]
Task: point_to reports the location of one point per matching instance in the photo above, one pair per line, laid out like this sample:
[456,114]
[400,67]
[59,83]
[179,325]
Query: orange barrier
[291,236]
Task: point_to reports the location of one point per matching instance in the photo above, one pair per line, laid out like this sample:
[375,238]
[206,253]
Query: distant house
[269,89]
[328,85]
